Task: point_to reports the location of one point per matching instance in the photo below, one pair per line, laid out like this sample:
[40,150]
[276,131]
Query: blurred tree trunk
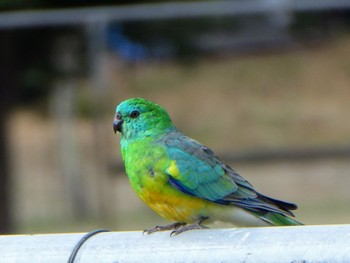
[7,91]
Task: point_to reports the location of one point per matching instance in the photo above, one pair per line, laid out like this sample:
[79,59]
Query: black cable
[82,241]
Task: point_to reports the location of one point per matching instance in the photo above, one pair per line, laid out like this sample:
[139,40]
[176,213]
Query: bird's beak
[117,125]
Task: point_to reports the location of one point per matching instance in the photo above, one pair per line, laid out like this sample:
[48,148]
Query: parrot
[184,181]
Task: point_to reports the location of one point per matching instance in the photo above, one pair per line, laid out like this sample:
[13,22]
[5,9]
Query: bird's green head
[139,118]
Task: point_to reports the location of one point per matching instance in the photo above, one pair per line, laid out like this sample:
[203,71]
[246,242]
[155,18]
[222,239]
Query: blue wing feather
[203,174]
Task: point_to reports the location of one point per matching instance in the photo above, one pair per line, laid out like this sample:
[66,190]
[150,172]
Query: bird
[184,181]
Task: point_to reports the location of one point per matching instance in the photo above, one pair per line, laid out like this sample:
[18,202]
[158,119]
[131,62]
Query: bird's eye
[134,114]
[118,116]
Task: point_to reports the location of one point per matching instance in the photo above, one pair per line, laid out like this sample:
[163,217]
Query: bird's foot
[164,228]
[185,228]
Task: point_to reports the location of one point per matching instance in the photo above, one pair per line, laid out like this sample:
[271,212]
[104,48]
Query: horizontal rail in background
[73,16]
[270,244]
[288,154]
[274,155]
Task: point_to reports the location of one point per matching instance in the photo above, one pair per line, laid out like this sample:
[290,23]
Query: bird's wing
[196,170]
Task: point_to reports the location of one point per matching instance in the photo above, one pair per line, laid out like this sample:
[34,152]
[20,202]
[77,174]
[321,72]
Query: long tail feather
[279,220]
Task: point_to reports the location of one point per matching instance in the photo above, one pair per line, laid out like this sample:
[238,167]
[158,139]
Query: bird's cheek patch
[173,170]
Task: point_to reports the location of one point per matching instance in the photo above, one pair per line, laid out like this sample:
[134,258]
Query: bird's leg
[197,225]
[164,228]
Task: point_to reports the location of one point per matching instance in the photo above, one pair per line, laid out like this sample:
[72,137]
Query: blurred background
[264,83]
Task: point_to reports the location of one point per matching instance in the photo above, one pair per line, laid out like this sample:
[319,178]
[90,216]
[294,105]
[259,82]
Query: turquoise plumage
[184,181]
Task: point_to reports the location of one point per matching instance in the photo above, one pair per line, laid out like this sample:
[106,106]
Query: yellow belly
[175,205]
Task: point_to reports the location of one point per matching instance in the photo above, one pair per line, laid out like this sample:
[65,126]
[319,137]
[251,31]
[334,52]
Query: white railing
[270,244]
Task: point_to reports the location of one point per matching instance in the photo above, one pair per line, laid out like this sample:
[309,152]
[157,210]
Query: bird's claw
[164,228]
[185,228]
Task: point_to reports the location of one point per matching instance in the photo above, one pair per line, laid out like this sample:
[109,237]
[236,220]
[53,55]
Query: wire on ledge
[82,241]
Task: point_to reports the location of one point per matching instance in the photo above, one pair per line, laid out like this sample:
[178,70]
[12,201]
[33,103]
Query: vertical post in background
[96,33]
[281,18]
[62,109]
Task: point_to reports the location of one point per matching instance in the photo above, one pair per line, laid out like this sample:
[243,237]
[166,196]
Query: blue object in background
[126,48]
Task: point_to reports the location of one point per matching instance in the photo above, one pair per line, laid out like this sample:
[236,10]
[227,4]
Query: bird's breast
[145,166]
[172,204]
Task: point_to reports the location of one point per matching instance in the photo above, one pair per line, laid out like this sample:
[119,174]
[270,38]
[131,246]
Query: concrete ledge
[270,244]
